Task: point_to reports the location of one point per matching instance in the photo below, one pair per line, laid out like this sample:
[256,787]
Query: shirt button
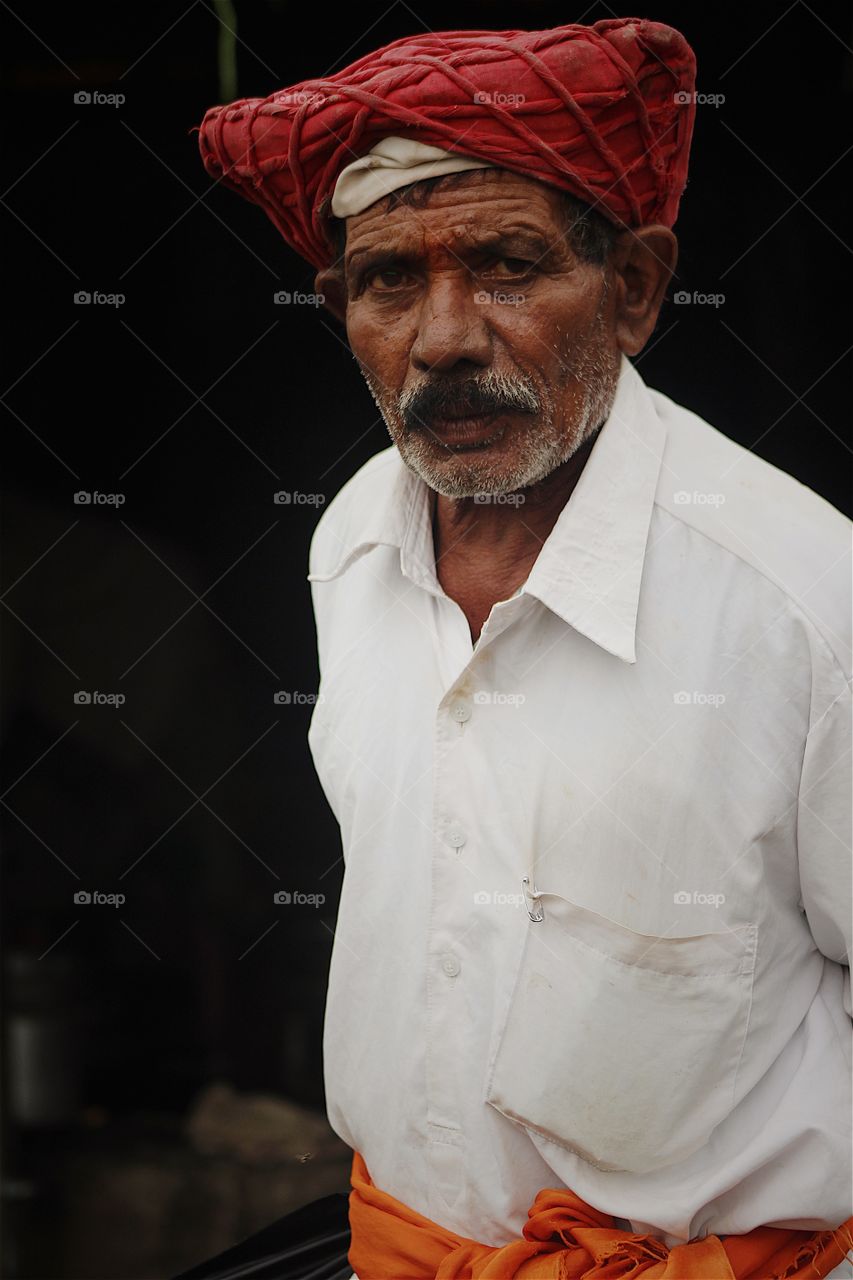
[455,837]
[450,965]
[460,710]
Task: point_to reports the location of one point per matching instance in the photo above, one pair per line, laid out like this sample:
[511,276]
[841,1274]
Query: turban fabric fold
[604,112]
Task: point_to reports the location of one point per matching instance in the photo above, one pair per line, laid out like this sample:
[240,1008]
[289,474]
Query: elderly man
[585,676]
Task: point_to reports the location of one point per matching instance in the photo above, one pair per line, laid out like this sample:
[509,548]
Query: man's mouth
[475,431]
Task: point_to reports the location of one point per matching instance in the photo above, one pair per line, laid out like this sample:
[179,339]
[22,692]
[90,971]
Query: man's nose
[452,325]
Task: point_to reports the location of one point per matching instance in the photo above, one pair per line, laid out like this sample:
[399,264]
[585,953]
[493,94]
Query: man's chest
[652,803]
[625,781]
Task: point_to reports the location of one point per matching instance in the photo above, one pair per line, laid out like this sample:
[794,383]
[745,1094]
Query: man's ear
[643,260]
[331,284]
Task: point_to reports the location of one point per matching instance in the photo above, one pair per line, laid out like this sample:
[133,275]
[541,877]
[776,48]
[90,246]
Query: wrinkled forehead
[480,207]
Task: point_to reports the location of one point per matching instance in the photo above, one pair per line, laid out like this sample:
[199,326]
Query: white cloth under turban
[391,164]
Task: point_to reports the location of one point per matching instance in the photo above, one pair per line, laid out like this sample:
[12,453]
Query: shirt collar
[589,569]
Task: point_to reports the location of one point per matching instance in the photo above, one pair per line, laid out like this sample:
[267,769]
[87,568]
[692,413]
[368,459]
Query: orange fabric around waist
[566,1239]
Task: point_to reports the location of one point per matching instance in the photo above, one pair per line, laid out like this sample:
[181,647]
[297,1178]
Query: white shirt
[656,729]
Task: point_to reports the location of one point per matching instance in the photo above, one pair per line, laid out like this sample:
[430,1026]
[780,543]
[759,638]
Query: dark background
[198,399]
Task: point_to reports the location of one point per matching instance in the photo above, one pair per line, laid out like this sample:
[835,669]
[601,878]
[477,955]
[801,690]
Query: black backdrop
[197,398]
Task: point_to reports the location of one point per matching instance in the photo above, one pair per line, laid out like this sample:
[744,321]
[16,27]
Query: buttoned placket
[454,848]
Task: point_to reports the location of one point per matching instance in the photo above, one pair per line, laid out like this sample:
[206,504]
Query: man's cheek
[381,348]
[367,336]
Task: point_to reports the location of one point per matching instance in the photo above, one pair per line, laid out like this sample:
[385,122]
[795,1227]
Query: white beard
[539,446]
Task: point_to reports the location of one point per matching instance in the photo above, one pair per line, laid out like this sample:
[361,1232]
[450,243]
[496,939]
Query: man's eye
[512,266]
[385,279]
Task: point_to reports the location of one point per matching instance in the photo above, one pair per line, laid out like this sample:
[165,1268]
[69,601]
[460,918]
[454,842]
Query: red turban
[604,112]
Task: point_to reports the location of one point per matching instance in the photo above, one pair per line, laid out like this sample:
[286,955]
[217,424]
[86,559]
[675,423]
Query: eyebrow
[506,242]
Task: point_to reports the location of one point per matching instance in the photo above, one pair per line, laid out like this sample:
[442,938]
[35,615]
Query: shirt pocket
[622,1047]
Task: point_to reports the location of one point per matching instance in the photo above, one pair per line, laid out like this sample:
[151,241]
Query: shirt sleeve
[824,824]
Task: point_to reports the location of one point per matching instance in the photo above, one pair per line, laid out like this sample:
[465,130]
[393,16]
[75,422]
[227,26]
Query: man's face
[488,345]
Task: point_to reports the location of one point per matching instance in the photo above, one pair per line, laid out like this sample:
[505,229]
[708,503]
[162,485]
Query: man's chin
[511,463]
[469,473]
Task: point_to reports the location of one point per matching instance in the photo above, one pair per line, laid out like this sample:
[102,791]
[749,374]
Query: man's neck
[502,534]
[484,551]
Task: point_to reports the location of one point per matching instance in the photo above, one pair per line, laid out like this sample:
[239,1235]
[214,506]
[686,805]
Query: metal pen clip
[531,895]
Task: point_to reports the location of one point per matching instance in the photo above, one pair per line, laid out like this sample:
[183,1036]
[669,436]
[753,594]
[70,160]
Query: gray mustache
[471,398]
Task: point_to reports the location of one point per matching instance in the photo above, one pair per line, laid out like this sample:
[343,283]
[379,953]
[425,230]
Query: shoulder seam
[792,601]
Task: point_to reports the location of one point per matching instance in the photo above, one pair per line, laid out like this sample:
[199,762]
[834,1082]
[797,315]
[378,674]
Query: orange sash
[566,1239]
